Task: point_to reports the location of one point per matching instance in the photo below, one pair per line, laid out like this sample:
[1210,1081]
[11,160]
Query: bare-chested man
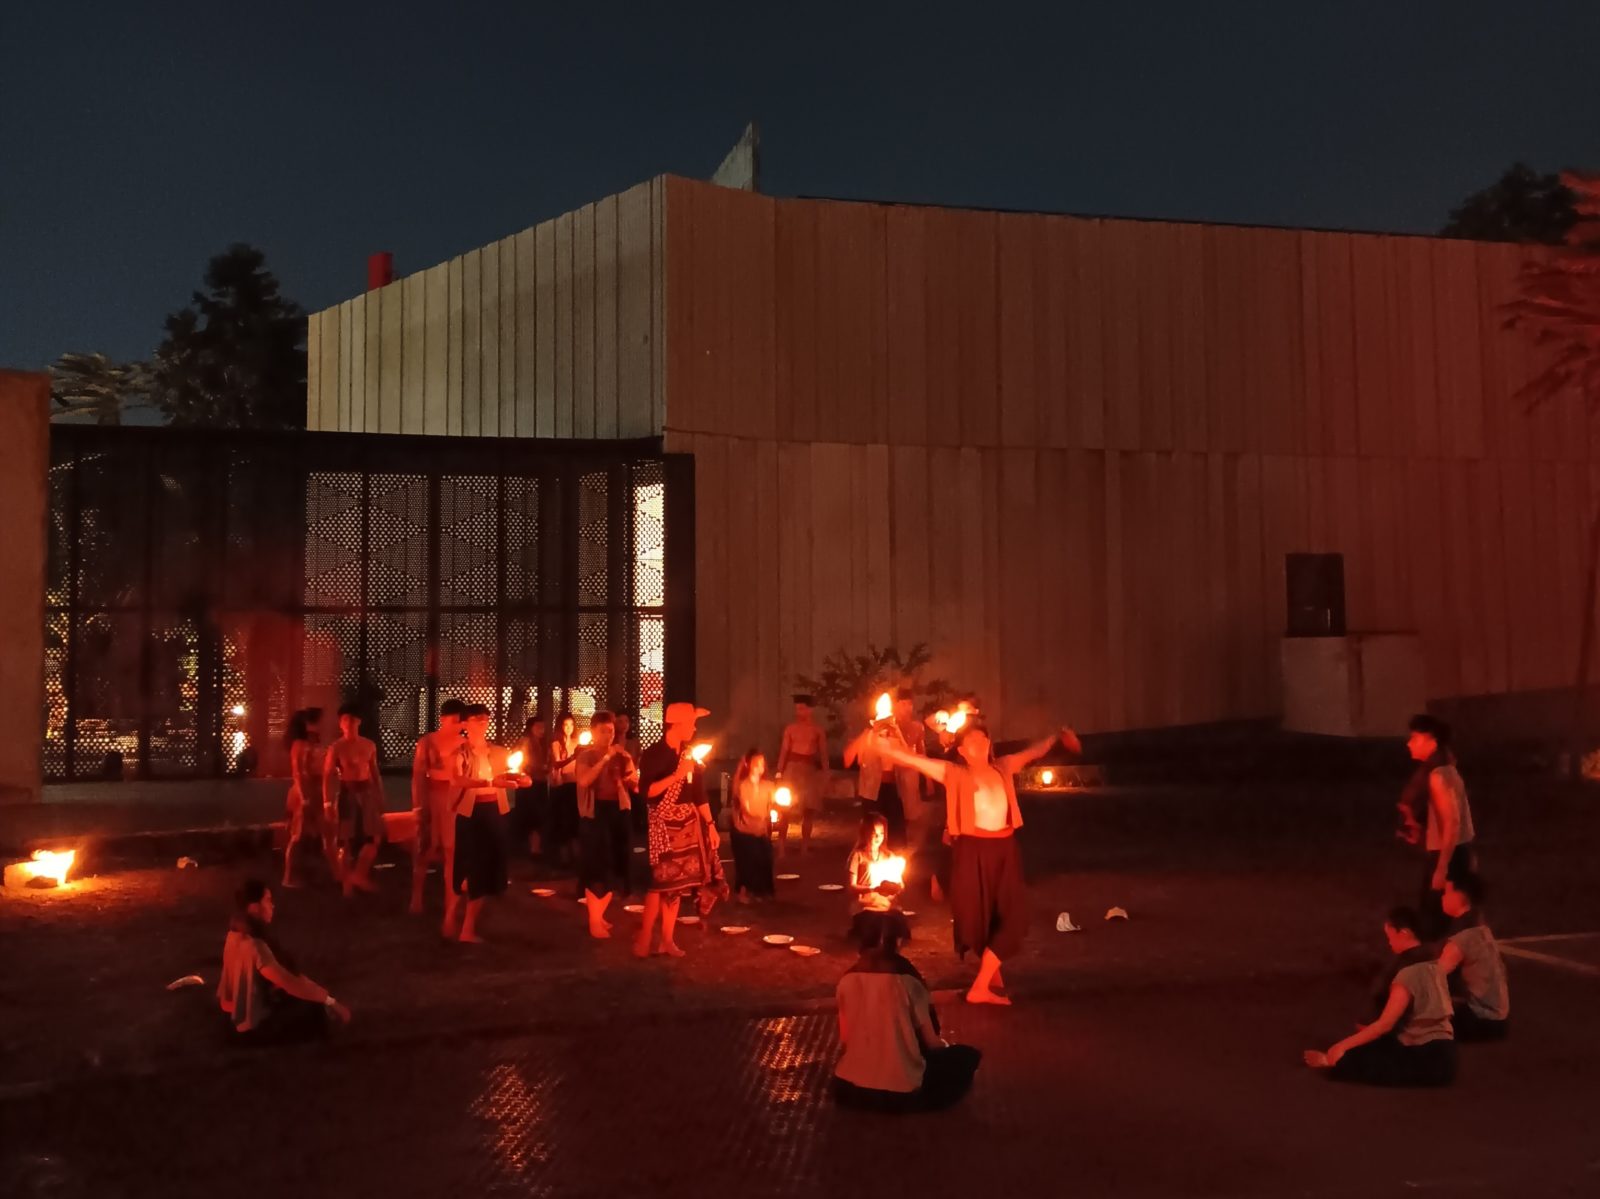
[352,794]
[803,765]
[437,769]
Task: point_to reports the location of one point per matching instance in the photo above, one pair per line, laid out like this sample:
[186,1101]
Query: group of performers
[934,787]
[1446,981]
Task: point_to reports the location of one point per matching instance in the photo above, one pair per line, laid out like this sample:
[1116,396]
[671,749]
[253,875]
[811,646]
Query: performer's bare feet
[641,947]
[467,938]
[416,907]
[670,949]
[987,996]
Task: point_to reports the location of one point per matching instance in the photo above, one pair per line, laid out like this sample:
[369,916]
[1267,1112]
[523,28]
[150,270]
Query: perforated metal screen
[203,586]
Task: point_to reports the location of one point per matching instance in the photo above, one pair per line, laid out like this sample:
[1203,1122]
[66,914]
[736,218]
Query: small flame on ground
[1047,777]
[52,863]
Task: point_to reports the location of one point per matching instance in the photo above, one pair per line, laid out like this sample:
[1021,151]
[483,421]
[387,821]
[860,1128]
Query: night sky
[136,144]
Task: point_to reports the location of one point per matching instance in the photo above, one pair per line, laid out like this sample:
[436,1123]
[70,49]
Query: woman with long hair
[304,803]
[872,847]
[752,828]
[561,804]
[988,897]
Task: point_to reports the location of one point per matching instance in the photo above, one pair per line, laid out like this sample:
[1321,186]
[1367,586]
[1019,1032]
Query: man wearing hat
[803,765]
[683,838]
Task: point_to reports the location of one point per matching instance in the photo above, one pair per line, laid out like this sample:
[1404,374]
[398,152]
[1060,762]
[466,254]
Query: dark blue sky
[134,144]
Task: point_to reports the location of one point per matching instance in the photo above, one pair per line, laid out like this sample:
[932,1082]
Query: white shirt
[882,1015]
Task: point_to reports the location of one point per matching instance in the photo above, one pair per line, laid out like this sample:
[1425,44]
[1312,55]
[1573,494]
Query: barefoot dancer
[352,788]
[803,764]
[605,822]
[436,773]
[305,795]
[752,824]
[683,838]
[481,853]
[988,899]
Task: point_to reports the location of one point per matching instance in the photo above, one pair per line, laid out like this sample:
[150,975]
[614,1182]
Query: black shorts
[605,843]
[481,851]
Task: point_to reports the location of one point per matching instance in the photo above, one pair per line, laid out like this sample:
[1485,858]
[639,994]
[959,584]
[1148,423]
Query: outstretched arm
[1393,1010]
[932,767]
[1065,738]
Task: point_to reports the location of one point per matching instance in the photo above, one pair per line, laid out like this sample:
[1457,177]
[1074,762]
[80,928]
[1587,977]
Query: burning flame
[52,864]
[585,737]
[884,708]
[886,870]
[514,763]
[1047,777]
[773,812]
[783,797]
[701,752]
[941,719]
[957,721]
[237,709]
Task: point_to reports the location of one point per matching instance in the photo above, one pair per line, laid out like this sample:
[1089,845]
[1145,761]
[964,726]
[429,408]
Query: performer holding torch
[988,897]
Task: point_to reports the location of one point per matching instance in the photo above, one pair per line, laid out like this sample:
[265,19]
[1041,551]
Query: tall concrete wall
[24,463]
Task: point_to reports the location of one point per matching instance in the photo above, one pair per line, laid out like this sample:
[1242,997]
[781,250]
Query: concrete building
[1072,455]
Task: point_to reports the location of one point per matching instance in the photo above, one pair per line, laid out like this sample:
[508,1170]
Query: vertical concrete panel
[25,436]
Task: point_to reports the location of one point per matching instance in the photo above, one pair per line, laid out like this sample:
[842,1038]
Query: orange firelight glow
[514,762]
[886,870]
[51,864]
[585,737]
[701,752]
[941,719]
[957,721]
[884,708]
[783,797]
[1047,777]
[773,813]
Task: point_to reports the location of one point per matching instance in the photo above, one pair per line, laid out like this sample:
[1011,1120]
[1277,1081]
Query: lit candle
[783,797]
[514,763]
[884,708]
[773,813]
[1047,777]
[585,737]
[701,752]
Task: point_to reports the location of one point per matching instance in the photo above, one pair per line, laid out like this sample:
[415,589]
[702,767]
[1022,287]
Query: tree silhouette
[1558,308]
[1522,206]
[235,357]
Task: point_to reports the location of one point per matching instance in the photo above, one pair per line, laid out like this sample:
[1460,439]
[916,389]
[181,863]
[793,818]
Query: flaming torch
[884,708]
[957,721]
[699,753]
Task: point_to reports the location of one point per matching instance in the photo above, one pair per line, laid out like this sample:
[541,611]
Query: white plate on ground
[778,939]
[907,913]
[735,929]
[383,865]
[638,849]
[805,951]
[542,892]
[830,887]
[787,878]
[688,920]
[635,908]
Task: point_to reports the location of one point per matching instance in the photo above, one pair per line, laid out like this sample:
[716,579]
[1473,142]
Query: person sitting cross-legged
[1411,1043]
[265,1000]
[1471,964]
[894,1059]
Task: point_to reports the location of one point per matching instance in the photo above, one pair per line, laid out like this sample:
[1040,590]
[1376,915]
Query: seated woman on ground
[265,1000]
[894,1059]
[871,848]
[1411,1043]
[1471,964]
